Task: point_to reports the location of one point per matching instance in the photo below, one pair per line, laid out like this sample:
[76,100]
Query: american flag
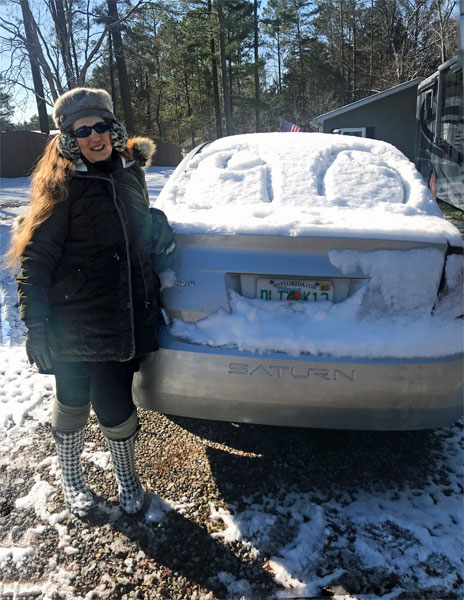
[287,126]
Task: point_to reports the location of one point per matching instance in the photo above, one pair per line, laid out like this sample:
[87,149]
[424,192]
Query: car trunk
[271,268]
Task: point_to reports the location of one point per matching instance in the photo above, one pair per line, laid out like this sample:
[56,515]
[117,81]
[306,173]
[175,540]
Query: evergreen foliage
[192,66]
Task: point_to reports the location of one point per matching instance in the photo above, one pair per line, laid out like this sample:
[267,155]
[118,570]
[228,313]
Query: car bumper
[228,385]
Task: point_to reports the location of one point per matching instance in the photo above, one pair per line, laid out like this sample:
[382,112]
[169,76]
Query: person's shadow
[187,549]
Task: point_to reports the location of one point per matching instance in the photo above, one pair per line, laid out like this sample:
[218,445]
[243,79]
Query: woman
[88,294]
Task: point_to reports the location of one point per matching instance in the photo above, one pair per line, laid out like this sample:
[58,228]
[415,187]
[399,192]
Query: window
[451,123]
[356,131]
[429,106]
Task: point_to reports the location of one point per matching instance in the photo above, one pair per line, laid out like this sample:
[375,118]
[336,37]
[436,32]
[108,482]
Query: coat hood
[140,149]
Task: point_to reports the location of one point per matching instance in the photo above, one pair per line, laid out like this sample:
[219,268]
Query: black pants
[109,393]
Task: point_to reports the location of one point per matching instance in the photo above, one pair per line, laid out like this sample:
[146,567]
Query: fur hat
[82,102]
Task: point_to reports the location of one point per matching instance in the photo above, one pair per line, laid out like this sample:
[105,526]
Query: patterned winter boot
[69,446]
[131,493]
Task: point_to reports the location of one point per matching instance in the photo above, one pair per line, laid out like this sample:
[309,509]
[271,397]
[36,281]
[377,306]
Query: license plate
[301,290]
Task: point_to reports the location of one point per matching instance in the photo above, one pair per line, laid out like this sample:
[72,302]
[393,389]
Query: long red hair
[49,186]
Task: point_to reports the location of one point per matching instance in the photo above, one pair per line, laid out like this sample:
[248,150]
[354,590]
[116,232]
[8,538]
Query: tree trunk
[200,102]
[158,115]
[33,58]
[256,68]
[300,60]
[72,41]
[214,75]
[189,106]
[225,86]
[57,11]
[353,55]
[230,78]
[148,100]
[441,30]
[34,48]
[342,51]
[121,65]
[178,140]
[371,50]
[111,69]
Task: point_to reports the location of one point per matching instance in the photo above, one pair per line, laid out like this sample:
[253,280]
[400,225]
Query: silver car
[315,284]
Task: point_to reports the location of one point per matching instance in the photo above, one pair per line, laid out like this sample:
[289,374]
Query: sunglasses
[86,130]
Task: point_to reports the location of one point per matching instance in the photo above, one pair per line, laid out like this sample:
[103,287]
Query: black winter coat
[87,269]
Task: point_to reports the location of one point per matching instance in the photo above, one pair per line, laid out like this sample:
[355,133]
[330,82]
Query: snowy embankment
[405,536]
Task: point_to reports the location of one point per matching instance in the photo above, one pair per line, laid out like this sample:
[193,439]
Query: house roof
[379,95]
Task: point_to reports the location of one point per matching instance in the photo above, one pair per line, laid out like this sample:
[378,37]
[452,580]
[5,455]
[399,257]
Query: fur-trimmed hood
[140,149]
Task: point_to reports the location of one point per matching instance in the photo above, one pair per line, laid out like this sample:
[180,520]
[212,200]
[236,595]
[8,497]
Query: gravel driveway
[209,479]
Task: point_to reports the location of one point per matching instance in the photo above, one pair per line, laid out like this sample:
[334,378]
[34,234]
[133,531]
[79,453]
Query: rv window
[429,108]
[452,128]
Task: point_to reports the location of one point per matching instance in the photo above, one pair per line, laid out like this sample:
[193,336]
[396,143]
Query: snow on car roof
[304,184]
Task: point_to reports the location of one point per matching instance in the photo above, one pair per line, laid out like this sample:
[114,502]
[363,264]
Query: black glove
[163,237]
[37,349]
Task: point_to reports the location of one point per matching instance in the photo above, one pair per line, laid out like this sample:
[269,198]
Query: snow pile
[356,179]
[305,184]
[23,391]
[262,327]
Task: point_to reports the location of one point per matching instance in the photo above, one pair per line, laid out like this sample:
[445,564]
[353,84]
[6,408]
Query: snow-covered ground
[409,536]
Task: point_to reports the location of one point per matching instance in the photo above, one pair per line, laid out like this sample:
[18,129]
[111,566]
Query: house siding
[391,119]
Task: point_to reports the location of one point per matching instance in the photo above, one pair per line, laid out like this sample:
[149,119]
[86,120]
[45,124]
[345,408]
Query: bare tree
[63,29]
[59,38]
[121,65]
[31,45]
[443,27]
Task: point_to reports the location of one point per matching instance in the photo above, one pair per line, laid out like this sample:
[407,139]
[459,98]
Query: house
[389,116]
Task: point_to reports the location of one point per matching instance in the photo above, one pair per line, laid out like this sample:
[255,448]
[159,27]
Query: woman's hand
[163,237]
[37,349]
